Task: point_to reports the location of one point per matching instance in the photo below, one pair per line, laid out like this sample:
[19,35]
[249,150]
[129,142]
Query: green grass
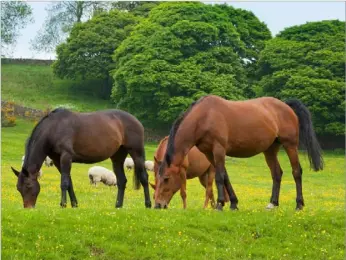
[35,86]
[97,230]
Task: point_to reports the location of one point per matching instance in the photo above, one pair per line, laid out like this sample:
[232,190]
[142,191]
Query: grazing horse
[242,129]
[67,137]
[195,165]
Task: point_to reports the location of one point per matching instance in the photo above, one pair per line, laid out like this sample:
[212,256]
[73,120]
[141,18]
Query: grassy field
[96,230]
[35,86]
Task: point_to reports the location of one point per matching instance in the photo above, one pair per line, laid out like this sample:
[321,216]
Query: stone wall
[26,61]
[25,112]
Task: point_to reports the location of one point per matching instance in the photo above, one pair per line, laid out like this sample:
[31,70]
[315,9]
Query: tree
[87,52]
[61,18]
[14,17]
[307,62]
[180,53]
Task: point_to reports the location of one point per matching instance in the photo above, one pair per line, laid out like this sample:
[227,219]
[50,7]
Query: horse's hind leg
[297,172]
[138,157]
[203,179]
[276,172]
[118,167]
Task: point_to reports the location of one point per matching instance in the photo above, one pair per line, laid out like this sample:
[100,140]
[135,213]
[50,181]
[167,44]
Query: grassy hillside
[96,230]
[35,86]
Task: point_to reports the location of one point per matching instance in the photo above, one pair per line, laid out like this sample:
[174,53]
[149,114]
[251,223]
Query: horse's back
[245,128]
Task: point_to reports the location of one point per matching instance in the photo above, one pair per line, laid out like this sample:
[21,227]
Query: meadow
[96,230]
[36,86]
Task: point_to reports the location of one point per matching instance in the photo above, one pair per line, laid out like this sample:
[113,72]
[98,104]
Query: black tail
[307,136]
[136,183]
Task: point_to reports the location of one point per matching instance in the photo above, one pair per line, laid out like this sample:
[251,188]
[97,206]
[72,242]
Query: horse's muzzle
[27,206]
[160,206]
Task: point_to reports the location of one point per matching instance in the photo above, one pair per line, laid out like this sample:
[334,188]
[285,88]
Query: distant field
[35,86]
[96,230]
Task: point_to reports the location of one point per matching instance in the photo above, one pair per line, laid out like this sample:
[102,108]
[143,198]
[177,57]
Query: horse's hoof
[74,205]
[118,206]
[63,205]
[219,207]
[148,205]
[270,206]
[299,207]
[233,207]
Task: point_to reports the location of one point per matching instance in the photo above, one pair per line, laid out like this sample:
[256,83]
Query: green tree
[308,62]
[181,52]
[14,17]
[87,52]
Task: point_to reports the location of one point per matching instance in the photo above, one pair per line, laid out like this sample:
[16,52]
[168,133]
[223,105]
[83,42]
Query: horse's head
[28,186]
[168,180]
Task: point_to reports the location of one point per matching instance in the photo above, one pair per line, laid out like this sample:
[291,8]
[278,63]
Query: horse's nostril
[157,206]
[165,207]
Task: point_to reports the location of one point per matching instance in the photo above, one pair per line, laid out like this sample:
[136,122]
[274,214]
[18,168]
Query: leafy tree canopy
[87,51]
[307,62]
[181,52]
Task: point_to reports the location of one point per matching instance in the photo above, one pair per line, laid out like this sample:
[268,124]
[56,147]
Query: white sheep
[40,171]
[48,162]
[101,174]
[149,165]
[129,164]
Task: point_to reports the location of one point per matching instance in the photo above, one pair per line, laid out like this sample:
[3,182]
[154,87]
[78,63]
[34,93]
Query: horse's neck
[36,157]
[182,145]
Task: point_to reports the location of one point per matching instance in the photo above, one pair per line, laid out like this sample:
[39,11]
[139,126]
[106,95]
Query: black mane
[33,135]
[174,129]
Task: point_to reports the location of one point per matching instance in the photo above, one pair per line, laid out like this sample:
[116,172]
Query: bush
[8,119]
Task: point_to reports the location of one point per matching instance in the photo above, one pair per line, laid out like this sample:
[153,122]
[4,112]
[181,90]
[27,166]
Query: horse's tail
[136,183]
[226,194]
[307,136]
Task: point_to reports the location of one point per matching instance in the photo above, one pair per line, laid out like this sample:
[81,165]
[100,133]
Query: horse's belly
[245,150]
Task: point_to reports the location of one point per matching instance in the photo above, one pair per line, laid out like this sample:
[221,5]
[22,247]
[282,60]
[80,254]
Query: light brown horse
[219,127]
[195,165]
[67,137]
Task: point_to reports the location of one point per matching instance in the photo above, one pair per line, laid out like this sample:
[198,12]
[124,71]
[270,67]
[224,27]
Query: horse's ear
[153,186]
[15,171]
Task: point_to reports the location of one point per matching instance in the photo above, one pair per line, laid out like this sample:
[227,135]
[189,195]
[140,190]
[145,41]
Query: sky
[276,15]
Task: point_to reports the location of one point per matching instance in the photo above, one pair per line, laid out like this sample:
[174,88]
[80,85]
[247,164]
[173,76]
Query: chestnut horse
[242,129]
[68,137]
[195,165]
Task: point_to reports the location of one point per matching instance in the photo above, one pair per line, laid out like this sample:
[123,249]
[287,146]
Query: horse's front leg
[183,194]
[66,182]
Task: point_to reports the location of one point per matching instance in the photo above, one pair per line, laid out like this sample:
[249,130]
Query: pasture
[36,86]
[97,230]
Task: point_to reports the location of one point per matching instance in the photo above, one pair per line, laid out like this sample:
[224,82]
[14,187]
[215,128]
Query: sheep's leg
[118,167]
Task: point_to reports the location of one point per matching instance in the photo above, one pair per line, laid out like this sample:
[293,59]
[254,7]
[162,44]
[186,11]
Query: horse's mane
[174,129]
[36,129]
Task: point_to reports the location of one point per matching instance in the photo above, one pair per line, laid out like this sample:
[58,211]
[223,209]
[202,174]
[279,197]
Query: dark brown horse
[195,165]
[219,127]
[68,137]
